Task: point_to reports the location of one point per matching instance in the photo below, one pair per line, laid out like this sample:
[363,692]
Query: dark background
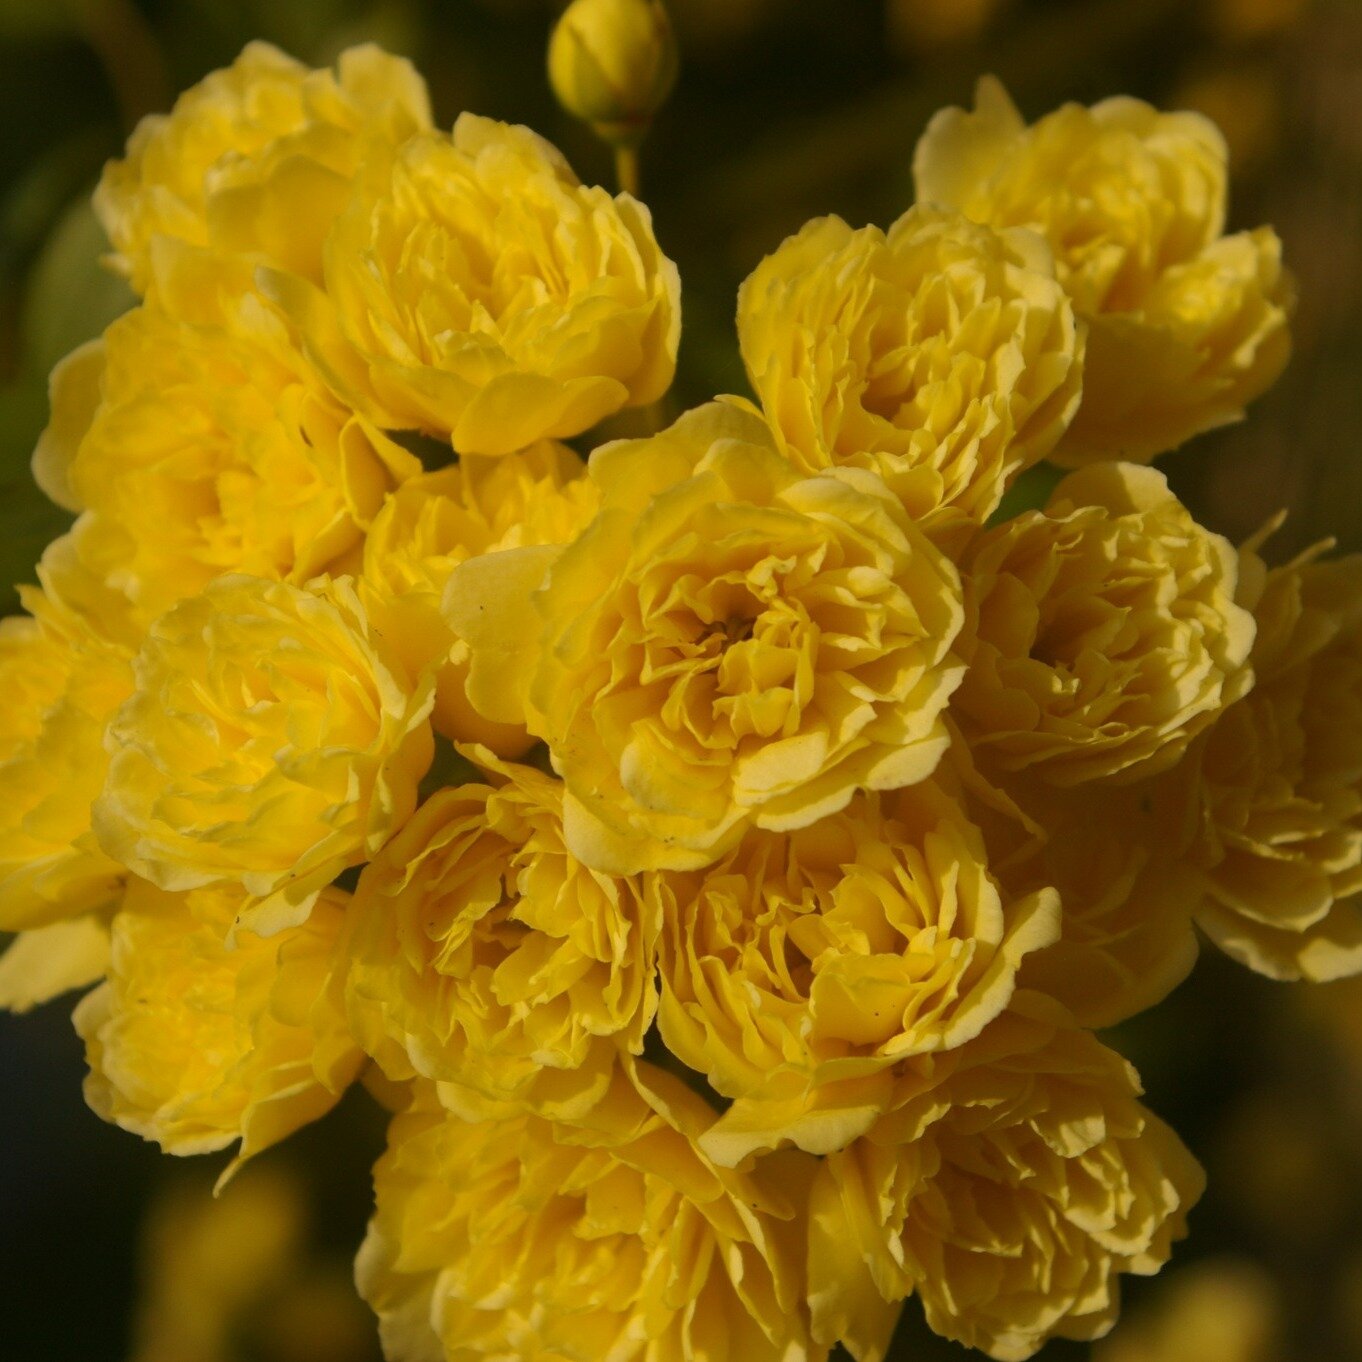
[786,109]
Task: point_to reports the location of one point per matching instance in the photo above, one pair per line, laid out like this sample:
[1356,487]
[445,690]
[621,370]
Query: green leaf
[28,521]
[1029,493]
[71,297]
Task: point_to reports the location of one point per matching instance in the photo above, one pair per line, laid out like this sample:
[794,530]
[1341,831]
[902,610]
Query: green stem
[626,169]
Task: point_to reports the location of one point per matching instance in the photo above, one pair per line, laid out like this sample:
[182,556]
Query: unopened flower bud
[613,63]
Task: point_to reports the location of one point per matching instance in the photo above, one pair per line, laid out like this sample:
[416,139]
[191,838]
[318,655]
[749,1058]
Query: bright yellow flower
[1105,634]
[1116,855]
[1281,777]
[476,289]
[480,953]
[729,643]
[1186,325]
[272,740]
[437,520]
[941,355]
[615,1239]
[61,683]
[196,1044]
[1014,1182]
[804,966]
[258,157]
[215,448]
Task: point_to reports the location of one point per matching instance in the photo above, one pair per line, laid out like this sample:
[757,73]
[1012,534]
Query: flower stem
[626,169]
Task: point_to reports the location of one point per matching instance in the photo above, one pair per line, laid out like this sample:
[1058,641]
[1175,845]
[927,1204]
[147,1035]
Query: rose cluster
[718,850]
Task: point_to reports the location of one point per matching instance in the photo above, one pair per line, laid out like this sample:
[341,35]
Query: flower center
[728,631]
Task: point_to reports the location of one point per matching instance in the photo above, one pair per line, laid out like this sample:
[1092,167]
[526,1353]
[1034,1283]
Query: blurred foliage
[786,109]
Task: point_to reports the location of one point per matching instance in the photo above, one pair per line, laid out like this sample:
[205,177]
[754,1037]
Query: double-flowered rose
[481,954]
[804,966]
[1104,631]
[476,290]
[612,1238]
[940,354]
[1013,1183]
[211,445]
[799,803]
[1127,888]
[1281,778]
[62,682]
[257,158]
[1185,325]
[728,643]
[435,521]
[197,1044]
[272,740]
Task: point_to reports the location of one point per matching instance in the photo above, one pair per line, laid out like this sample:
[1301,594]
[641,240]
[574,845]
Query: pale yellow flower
[435,521]
[941,355]
[1105,631]
[197,1044]
[1186,325]
[272,740]
[214,448]
[729,643]
[613,1239]
[258,157]
[799,970]
[1013,1183]
[475,289]
[1281,780]
[61,683]
[478,952]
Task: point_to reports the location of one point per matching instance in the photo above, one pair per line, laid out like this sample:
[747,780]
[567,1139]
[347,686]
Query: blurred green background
[786,109]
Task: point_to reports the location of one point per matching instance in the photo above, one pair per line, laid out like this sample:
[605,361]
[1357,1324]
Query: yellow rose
[1186,325]
[1105,633]
[271,741]
[727,644]
[804,966]
[214,448]
[195,1044]
[1281,779]
[941,355]
[61,683]
[619,1239]
[1010,1187]
[1117,856]
[478,952]
[476,289]
[435,521]
[257,158]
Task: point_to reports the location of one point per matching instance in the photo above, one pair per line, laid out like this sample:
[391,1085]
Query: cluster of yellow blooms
[812,814]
